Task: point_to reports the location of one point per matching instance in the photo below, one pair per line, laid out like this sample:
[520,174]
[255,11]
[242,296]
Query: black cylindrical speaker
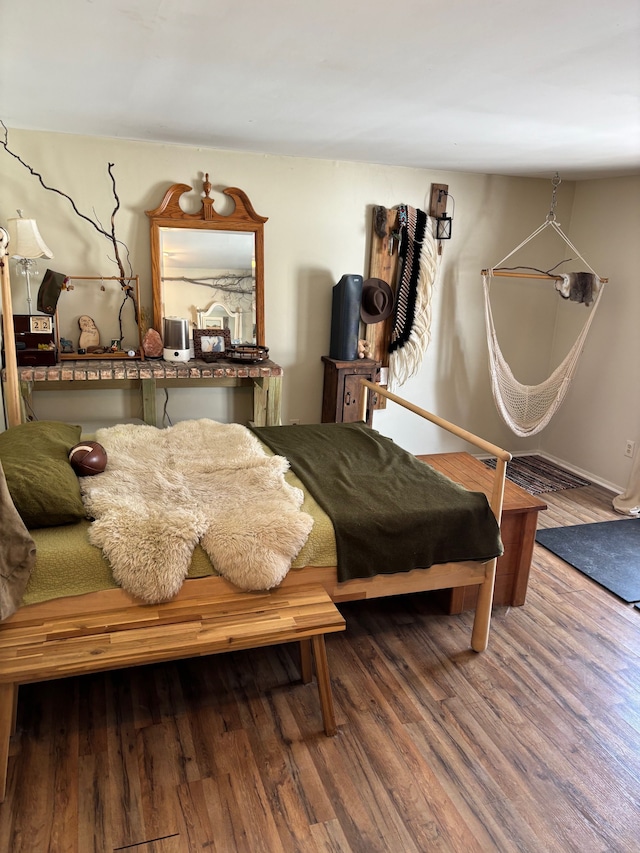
[345,318]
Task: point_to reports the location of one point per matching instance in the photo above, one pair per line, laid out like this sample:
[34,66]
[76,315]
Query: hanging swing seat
[527,409]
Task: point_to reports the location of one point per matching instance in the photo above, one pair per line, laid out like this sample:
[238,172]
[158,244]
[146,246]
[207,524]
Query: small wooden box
[342,393]
[35,340]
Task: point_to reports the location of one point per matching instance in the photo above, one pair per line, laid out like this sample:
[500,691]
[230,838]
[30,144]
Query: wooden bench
[138,634]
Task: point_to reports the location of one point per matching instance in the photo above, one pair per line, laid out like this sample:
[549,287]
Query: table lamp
[27,245]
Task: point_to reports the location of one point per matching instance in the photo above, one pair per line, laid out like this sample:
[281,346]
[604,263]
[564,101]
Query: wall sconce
[444,222]
[27,245]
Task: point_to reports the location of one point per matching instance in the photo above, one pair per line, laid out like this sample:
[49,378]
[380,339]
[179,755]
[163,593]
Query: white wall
[602,408]
[318,229]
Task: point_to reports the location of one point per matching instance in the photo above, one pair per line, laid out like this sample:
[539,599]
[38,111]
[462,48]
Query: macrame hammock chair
[527,409]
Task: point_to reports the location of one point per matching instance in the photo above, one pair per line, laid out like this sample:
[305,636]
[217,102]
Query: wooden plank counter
[518,530]
[264,379]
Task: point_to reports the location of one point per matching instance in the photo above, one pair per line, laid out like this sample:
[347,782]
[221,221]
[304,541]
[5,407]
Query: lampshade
[26,241]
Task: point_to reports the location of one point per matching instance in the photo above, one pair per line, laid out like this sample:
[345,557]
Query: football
[88,458]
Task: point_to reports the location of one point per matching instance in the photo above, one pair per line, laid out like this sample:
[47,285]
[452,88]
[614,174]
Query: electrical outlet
[629,448]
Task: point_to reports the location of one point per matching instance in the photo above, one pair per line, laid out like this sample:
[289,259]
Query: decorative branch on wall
[118,245]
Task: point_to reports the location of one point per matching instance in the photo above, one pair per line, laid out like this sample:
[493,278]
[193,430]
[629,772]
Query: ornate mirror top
[170,207]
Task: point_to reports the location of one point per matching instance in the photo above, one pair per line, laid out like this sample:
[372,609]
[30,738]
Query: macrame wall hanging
[527,409]
[411,330]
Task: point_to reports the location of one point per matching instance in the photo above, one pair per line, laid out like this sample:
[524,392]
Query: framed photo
[211,344]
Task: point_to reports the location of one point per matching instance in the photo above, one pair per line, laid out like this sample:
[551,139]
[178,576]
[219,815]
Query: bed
[70,611]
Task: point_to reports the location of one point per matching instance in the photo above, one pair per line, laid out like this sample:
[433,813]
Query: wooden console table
[518,530]
[265,379]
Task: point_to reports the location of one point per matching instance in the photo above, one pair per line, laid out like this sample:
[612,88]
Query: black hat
[50,291]
[377,300]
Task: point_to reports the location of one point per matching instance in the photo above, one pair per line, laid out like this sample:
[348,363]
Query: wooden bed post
[484,604]
[482,619]
[14,416]
[364,403]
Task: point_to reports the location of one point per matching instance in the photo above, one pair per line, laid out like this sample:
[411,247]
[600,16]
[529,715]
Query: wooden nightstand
[342,393]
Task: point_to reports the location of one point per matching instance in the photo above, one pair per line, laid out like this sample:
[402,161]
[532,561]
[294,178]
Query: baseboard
[587,475]
[612,487]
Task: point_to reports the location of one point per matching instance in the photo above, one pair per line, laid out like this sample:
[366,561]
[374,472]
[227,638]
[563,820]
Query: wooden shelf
[264,379]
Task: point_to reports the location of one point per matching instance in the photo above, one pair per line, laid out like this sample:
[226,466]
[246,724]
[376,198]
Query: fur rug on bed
[165,490]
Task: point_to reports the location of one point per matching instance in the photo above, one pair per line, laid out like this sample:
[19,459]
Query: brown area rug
[537,475]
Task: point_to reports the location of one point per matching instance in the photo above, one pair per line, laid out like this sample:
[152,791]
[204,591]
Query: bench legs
[306,661]
[324,684]
[8,697]
[319,648]
[310,650]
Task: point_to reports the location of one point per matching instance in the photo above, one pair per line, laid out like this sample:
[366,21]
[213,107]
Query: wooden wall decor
[383,263]
[438,204]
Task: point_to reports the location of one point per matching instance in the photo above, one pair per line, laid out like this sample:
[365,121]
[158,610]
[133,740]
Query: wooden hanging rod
[544,276]
[101,277]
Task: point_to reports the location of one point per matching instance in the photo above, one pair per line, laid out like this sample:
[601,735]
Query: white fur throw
[165,490]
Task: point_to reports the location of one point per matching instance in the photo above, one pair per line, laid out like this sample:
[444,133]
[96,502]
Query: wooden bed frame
[109,629]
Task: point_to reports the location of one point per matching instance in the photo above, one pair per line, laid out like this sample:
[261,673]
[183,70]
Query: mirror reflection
[208,268]
[208,277]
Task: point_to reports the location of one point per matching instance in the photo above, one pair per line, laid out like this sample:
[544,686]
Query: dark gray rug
[537,475]
[606,551]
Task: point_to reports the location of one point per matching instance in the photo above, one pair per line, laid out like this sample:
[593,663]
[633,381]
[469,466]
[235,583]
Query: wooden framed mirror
[205,259]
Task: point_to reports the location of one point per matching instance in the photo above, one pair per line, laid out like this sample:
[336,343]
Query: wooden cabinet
[342,393]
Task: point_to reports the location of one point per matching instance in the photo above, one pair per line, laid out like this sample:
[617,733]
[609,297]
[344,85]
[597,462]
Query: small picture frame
[211,344]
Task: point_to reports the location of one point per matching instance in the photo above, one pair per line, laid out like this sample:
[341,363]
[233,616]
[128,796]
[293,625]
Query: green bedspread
[390,511]
[66,564]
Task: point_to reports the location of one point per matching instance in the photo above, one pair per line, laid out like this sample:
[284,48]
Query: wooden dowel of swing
[454,429]
[514,274]
[502,456]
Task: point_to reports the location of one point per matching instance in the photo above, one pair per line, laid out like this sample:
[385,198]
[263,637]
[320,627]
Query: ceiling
[513,88]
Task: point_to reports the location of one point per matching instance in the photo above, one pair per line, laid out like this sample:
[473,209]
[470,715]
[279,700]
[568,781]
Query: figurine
[363,349]
[66,344]
[89,334]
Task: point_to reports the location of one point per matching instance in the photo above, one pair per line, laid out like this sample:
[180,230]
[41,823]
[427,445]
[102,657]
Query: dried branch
[227,283]
[110,235]
[550,272]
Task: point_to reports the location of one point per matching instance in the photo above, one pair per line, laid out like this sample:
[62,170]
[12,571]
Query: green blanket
[391,512]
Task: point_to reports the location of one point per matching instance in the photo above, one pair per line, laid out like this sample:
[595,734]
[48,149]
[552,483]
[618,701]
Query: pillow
[41,481]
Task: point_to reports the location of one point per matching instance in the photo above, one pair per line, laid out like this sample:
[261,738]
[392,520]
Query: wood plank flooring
[532,746]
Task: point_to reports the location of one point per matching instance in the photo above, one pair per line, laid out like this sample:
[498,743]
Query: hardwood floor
[533,745]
